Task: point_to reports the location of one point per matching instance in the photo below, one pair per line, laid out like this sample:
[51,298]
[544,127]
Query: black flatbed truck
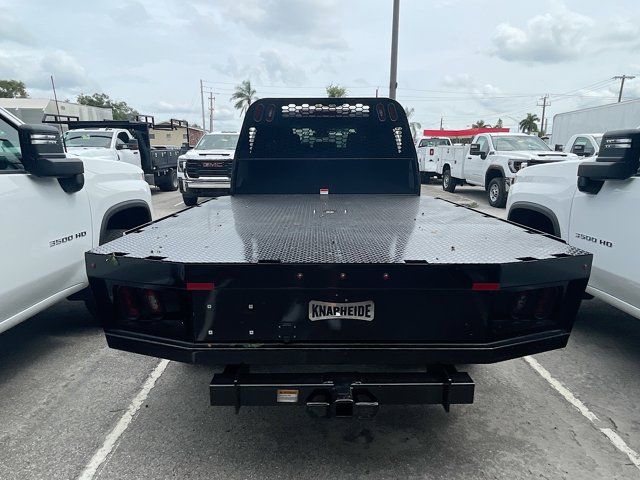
[326,280]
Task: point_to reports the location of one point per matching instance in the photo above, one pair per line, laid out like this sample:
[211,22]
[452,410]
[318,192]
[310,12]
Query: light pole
[393,77]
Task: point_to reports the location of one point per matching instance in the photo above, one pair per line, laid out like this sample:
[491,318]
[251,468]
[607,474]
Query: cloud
[280,69]
[303,23]
[481,93]
[13,31]
[553,37]
[34,68]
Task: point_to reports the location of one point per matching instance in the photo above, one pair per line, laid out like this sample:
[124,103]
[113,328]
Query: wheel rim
[445,180]
[494,192]
[174,180]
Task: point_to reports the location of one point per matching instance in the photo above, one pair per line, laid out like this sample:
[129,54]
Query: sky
[458,60]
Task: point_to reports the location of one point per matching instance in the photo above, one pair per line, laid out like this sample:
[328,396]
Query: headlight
[516,165]
[181,165]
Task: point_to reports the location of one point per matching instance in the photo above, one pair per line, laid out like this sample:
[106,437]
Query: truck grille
[209,168]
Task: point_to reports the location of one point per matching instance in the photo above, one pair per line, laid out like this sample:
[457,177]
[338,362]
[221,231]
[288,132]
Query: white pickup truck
[492,161]
[584,144]
[55,208]
[205,171]
[428,150]
[590,204]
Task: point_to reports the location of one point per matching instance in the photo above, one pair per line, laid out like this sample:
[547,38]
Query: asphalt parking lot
[72,408]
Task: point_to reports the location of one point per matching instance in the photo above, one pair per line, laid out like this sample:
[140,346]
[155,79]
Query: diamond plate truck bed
[326,261]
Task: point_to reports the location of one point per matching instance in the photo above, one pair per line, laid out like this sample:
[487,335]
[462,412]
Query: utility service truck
[583,202]
[125,141]
[325,280]
[54,209]
[206,170]
[428,150]
[492,161]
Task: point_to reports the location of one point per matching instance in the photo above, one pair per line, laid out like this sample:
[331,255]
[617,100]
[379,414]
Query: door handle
[469,158]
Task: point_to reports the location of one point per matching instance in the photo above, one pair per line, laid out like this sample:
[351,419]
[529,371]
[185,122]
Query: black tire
[169,182]
[189,200]
[497,192]
[448,182]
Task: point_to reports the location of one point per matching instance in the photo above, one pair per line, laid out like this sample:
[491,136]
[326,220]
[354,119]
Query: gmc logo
[213,164]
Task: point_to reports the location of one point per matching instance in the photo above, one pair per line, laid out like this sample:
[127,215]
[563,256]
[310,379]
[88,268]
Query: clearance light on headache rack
[485,287]
[200,286]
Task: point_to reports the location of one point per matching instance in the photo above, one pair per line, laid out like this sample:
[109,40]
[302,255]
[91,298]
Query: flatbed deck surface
[334,229]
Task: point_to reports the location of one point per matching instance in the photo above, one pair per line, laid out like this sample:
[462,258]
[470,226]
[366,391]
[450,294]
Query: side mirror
[474,149]
[43,155]
[133,144]
[578,150]
[618,159]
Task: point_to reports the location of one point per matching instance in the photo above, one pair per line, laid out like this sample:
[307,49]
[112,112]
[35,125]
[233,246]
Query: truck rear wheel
[169,182]
[497,192]
[448,182]
[189,200]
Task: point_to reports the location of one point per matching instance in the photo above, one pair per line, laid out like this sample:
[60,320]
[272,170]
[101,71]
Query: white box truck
[604,118]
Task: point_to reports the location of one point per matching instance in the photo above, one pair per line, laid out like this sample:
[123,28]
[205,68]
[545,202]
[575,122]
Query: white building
[31,110]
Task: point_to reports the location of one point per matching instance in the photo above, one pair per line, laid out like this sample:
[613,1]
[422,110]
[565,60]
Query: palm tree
[414,126]
[243,96]
[479,124]
[529,124]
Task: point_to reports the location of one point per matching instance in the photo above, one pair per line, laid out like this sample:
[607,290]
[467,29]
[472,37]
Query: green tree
[479,124]
[498,123]
[528,124]
[12,89]
[120,109]
[244,96]
[336,91]
[414,126]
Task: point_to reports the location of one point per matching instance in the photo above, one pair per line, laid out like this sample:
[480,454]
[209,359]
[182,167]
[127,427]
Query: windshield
[218,142]
[436,142]
[518,143]
[88,139]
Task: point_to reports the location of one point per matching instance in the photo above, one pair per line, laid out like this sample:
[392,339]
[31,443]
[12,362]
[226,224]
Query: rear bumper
[341,394]
[337,354]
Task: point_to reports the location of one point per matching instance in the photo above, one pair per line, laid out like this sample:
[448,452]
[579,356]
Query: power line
[623,78]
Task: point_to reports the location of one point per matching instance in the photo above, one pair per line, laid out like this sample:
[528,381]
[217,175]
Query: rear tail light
[128,303]
[520,304]
[537,304]
[546,303]
[152,311]
[153,303]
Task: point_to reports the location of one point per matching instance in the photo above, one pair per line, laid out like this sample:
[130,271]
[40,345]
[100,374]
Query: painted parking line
[178,204]
[112,438]
[611,435]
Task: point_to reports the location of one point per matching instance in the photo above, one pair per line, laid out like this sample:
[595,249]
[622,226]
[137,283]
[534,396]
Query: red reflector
[199,286]
[484,287]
